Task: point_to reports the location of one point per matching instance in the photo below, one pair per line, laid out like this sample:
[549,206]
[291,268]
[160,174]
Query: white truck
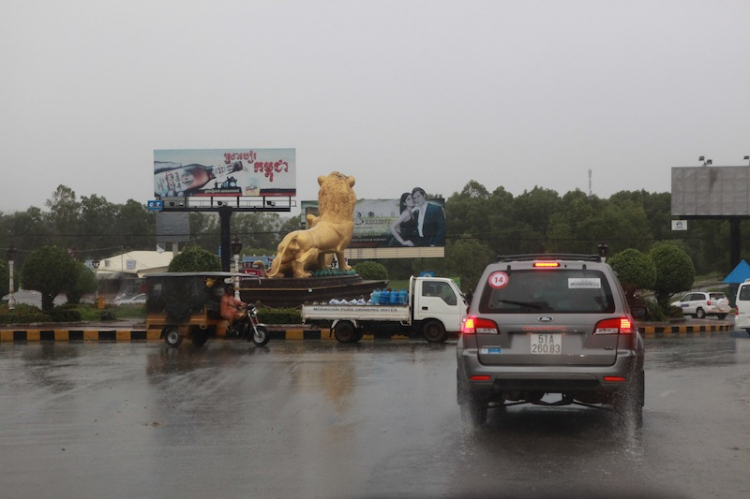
[435,308]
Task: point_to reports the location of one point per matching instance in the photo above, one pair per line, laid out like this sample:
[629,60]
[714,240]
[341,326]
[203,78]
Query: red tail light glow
[617,325]
[614,379]
[477,325]
[546,265]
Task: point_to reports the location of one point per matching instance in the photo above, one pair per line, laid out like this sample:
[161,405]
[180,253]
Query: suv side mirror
[639,311]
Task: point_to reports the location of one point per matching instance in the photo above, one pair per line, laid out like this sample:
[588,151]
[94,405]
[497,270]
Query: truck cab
[743,306]
[437,300]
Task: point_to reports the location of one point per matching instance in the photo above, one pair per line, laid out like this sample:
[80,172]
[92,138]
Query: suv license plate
[546,344]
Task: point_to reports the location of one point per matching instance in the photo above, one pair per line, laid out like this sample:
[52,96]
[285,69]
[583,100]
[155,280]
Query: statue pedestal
[291,292]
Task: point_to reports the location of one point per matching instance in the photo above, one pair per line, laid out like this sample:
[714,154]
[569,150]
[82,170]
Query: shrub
[195,259]
[23,314]
[279,316]
[372,271]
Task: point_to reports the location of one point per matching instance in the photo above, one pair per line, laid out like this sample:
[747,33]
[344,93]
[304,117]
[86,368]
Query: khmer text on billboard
[224,172]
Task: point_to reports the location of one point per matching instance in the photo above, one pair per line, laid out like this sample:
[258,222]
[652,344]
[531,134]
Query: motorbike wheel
[172,337]
[261,336]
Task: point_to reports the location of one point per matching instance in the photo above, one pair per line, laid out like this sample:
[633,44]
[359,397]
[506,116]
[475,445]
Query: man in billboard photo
[430,220]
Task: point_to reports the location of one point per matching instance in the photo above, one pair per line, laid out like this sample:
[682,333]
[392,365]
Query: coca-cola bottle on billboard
[178,180]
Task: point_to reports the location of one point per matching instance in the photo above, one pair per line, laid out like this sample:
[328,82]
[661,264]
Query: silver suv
[541,325]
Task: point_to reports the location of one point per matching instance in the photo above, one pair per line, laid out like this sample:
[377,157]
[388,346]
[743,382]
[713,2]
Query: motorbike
[248,327]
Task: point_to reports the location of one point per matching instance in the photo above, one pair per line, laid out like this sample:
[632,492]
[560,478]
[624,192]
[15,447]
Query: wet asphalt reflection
[374,419]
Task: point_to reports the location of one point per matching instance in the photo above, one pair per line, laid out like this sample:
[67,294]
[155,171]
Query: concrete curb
[683,330]
[42,334]
[100,333]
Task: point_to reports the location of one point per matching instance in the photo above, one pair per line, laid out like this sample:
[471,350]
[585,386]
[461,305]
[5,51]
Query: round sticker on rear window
[498,280]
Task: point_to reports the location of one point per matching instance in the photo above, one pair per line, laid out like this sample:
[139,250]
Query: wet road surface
[376,419]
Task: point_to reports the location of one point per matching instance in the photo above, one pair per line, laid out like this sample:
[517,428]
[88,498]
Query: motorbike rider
[228,307]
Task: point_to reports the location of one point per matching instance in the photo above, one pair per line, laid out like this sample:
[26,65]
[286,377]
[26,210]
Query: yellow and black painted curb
[103,334]
[682,330]
[42,334]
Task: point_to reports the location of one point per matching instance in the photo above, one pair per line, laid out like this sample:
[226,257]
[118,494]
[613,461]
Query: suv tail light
[616,325]
[477,325]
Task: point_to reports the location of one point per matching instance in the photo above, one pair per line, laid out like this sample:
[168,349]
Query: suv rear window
[548,290]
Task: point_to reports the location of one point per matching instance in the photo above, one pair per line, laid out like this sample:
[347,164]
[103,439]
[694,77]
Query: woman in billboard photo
[404,228]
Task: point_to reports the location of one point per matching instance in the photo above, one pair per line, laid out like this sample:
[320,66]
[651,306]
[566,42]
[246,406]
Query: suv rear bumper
[549,379]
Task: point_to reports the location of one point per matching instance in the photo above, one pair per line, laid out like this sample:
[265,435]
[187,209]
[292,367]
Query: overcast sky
[399,94]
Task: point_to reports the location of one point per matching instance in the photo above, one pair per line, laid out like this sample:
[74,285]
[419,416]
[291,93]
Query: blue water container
[395,298]
[375,297]
[403,297]
[385,297]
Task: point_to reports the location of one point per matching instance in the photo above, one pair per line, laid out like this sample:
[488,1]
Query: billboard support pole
[225,214]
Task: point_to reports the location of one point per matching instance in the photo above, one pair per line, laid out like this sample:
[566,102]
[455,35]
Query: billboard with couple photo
[409,221]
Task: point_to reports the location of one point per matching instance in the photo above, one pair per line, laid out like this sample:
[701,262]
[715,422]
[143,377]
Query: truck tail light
[478,325]
[616,325]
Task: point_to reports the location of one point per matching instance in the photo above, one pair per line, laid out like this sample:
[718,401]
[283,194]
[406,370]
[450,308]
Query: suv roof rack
[549,256]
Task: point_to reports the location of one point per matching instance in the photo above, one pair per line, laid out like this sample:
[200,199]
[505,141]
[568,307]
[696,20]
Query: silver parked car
[700,304]
[545,325]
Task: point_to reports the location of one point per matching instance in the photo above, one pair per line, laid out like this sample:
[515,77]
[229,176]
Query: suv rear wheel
[473,407]
[629,403]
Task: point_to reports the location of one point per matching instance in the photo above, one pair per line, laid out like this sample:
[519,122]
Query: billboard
[408,227]
[224,172]
[711,191]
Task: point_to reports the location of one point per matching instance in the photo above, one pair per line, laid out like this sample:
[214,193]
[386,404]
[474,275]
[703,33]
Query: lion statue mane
[329,233]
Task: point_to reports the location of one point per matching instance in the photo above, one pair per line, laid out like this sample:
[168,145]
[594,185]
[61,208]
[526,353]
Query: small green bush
[23,314]
[373,271]
[64,313]
[279,316]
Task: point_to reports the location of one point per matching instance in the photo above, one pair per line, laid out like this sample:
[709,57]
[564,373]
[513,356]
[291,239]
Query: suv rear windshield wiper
[529,304]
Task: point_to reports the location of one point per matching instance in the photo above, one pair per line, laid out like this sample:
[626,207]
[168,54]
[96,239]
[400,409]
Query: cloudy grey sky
[402,93]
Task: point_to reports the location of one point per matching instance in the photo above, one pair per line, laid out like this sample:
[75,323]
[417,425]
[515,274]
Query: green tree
[258,230]
[195,259]
[134,227]
[635,270]
[467,259]
[371,271]
[49,270]
[85,282]
[63,216]
[97,225]
[674,272]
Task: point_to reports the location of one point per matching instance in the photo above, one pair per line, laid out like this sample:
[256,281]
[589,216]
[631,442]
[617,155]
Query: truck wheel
[345,332]
[434,331]
[172,337]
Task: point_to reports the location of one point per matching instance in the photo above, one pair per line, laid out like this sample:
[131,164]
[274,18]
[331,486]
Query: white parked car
[138,299]
[700,304]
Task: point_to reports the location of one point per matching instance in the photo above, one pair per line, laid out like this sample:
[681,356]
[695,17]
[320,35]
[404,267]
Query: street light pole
[95,264]
[236,250]
[11,254]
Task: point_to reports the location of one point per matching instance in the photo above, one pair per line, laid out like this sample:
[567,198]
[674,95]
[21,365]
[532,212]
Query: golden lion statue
[329,233]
